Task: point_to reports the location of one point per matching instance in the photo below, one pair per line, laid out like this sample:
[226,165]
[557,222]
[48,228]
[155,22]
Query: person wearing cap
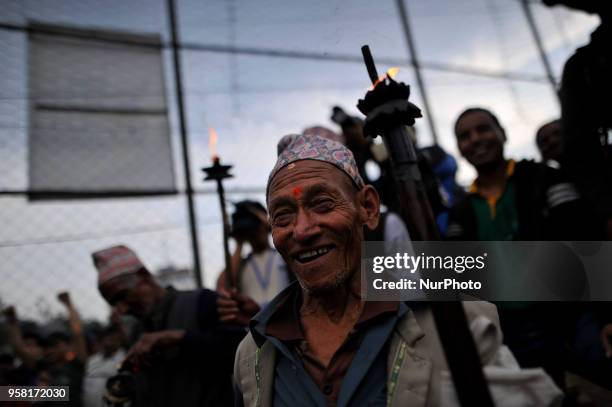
[319,343]
[391,229]
[549,140]
[183,357]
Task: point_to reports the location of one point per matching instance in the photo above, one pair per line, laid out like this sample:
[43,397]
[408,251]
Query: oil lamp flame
[212,144]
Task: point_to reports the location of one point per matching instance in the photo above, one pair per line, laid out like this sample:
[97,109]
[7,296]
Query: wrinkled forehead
[299,176]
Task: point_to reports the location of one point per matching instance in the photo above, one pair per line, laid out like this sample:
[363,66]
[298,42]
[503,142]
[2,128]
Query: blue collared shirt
[364,383]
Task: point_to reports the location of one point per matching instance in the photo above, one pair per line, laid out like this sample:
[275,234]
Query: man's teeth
[312,253]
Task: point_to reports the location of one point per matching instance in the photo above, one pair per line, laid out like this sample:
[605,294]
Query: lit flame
[212,143]
[391,73]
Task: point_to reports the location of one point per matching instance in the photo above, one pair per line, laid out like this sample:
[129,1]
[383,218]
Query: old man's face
[317,217]
[131,294]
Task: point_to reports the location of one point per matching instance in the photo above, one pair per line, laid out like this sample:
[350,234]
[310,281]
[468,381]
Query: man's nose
[473,136]
[306,227]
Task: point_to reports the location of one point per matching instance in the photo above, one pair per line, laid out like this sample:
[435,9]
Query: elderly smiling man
[319,343]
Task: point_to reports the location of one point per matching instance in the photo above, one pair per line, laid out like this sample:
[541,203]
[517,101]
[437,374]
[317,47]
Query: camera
[121,388]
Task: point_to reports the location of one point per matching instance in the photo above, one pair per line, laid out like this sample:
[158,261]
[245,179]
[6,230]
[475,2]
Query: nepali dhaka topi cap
[115,261]
[315,147]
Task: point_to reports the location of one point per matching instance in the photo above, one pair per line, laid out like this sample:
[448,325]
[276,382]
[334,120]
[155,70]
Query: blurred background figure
[438,169]
[103,364]
[527,201]
[262,273]
[512,200]
[549,139]
[24,351]
[184,355]
[58,359]
[585,107]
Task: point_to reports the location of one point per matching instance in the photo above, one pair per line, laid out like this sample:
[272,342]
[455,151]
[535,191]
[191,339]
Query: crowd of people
[287,325]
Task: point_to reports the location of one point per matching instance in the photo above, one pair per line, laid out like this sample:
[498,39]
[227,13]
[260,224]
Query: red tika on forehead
[297,192]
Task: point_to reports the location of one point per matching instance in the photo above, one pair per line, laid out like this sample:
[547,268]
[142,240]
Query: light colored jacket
[417,374]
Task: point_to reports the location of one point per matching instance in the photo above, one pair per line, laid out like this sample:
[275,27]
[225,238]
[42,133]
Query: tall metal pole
[174,39]
[538,40]
[417,68]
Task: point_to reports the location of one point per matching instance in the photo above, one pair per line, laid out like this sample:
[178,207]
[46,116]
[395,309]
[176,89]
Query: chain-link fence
[90,146]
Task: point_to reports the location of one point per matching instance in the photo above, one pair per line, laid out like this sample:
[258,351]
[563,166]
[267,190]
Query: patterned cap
[285,142]
[115,261]
[321,131]
[315,147]
[324,132]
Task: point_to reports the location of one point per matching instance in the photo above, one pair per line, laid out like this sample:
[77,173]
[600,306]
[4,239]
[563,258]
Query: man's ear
[369,206]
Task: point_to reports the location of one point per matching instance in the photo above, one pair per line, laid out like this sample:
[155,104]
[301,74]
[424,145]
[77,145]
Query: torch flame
[391,73]
[212,143]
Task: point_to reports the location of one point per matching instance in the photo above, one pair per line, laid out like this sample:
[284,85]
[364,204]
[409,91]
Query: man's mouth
[307,256]
[481,150]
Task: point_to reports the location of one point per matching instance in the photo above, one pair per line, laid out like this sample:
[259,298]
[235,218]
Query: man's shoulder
[555,183]
[247,347]
[249,356]
[473,309]
[538,174]
[483,322]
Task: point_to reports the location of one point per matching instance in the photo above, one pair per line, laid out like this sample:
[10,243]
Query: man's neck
[336,304]
[334,312]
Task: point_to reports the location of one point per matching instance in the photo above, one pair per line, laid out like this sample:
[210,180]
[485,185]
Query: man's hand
[606,334]
[234,307]
[64,298]
[140,353]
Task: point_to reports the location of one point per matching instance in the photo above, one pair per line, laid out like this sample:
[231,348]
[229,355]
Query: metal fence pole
[417,68]
[174,39]
[538,40]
